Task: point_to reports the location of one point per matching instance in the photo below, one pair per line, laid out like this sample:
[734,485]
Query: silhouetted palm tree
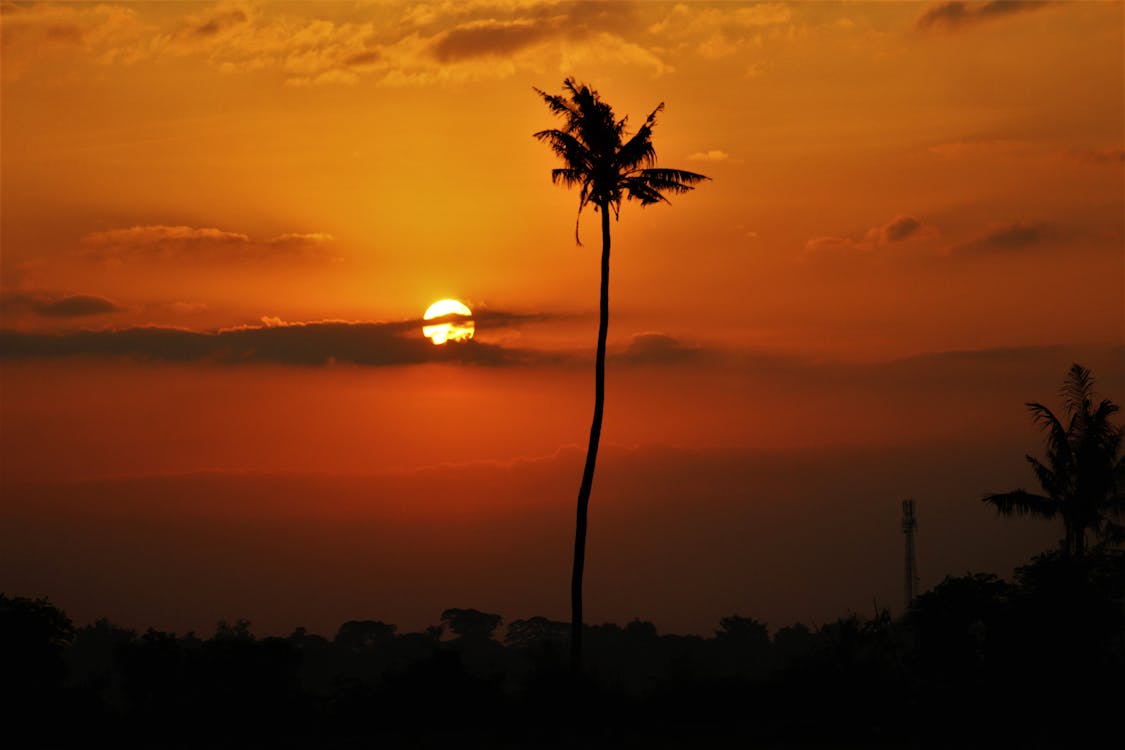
[1084,473]
[607,169]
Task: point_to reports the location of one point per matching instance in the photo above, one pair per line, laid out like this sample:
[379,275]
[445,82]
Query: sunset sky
[222,223]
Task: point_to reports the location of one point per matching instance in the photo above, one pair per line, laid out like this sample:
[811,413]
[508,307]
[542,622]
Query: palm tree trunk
[591,458]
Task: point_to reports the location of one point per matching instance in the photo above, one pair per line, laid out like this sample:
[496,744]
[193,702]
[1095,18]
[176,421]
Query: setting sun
[459,328]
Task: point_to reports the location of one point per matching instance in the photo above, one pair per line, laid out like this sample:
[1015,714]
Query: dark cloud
[504,319]
[310,344]
[58,306]
[78,305]
[220,22]
[1007,238]
[900,228]
[657,348]
[951,16]
[364,58]
[491,37]
[63,32]
[502,36]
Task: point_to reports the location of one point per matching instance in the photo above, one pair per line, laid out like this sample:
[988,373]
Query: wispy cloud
[714,155]
[105,33]
[57,305]
[1006,238]
[899,229]
[657,348]
[163,242]
[956,15]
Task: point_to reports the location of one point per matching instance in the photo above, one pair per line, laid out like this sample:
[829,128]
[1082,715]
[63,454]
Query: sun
[456,322]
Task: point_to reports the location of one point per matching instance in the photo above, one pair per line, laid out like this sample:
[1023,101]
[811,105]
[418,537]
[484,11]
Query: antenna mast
[910,577]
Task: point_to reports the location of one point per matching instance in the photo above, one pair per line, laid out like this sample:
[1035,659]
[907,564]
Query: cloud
[54,305]
[492,37]
[657,348]
[1100,157]
[683,19]
[32,34]
[78,305]
[394,44]
[830,243]
[273,341]
[221,22]
[953,16]
[901,228]
[161,242]
[407,44]
[713,155]
[722,30]
[1005,238]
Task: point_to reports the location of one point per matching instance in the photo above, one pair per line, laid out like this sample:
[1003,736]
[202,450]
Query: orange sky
[915,224]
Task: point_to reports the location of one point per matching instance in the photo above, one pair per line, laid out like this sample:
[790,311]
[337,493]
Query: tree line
[976,661]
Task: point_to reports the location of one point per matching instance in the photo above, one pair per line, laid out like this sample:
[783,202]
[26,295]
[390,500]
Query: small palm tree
[1083,477]
[606,168]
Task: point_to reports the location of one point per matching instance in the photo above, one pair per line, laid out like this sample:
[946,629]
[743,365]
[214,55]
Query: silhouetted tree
[533,632]
[358,635]
[34,635]
[954,622]
[745,644]
[1084,473]
[606,168]
[470,624]
[793,642]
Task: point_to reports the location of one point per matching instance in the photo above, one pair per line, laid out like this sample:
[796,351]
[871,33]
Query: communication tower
[910,577]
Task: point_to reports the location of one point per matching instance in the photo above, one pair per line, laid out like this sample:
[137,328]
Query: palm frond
[1058,437]
[1078,389]
[558,105]
[638,189]
[1100,428]
[676,180]
[638,151]
[1022,503]
[567,176]
[567,147]
[1047,478]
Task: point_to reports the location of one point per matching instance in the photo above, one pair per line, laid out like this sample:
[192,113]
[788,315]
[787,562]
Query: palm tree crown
[1083,477]
[599,161]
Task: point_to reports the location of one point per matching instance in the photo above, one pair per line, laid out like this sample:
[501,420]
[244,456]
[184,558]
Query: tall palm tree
[1083,478]
[607,169]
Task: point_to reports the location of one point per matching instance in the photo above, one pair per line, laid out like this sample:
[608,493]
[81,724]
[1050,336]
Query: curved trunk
[591,458]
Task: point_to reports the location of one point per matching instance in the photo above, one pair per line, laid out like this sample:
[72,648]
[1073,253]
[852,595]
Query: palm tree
[606,168]
[1083,477]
